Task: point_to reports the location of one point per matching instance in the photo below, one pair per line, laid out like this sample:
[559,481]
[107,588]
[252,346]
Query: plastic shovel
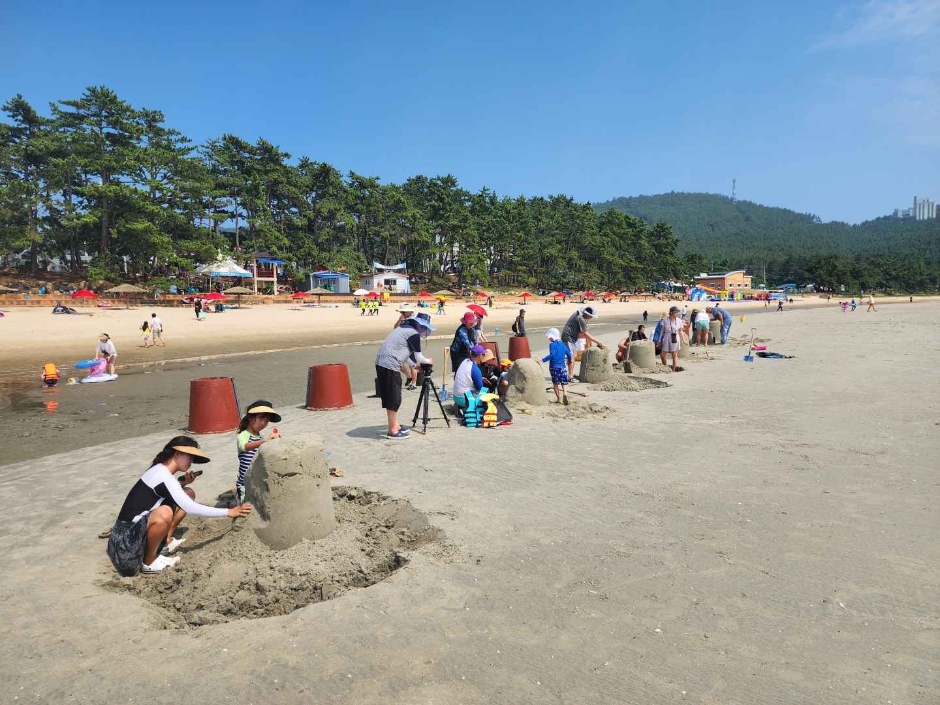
[749,357]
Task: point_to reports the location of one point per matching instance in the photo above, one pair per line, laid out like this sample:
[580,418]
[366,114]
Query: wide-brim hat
[468,318]
[488,355]
[406,308]
[423,320]
[589,311]
[193,452]
[264,407]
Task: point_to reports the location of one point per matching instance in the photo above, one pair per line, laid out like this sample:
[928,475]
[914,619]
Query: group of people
[853,304]
[142,538]
[368,306]
[152,331]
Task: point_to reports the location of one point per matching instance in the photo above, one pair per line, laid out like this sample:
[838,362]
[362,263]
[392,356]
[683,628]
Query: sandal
[336,472]
[171,547]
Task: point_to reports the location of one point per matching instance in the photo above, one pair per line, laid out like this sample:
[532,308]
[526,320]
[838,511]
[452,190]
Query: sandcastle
[595,365]
[289,486]
[526,383]
[642,354]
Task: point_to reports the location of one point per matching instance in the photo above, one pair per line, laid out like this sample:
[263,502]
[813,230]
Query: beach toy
[741,319]
[92,379]
[749,357]
[519,348]
[85,364]
[213,405]
[328,387]
[758,347]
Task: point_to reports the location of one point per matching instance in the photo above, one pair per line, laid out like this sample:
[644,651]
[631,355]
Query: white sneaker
[159,564]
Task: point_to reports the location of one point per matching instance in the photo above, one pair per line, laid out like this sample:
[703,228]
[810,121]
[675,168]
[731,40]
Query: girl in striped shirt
[249,440]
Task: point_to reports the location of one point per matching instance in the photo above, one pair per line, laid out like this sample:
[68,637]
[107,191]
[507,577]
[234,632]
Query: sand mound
[228,573]
[588,410]
[629,383]
[595,365]
[526,383]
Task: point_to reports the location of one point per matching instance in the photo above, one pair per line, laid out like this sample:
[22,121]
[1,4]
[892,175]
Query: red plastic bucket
[213,405]
[328,387]
[519,348]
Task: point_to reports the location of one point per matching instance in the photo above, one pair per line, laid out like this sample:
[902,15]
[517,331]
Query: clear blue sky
[829,108]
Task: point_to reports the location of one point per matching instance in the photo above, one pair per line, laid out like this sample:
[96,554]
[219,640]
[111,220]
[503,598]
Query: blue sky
[828,108]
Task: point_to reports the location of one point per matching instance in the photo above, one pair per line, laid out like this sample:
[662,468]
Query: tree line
[97,175]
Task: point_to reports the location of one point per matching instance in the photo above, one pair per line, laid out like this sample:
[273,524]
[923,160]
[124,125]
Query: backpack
[471,415]
[515,327]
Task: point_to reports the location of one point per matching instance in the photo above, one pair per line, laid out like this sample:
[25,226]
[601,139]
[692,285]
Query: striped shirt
[245,456]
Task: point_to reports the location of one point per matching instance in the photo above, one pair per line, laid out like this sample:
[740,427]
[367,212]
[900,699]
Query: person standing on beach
[575,327]
[671,337]
[645,316]
[853,303]
[197,307]
[410,372]
[156,328]
[249,440]
[106,351]
[700,328]
[559,359]
[401,346]
[871,304]
[478,336]
[518,327]
[463,340]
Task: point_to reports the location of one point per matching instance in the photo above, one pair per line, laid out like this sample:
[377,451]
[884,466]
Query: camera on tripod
[427,369]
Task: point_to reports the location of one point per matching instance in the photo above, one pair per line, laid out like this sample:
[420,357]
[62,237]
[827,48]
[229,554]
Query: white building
[392,282]
[924,209]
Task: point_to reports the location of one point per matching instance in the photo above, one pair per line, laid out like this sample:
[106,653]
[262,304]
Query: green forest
[718,233]
[95,177]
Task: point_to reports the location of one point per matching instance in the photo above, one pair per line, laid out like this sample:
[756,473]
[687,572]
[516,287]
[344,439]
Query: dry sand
[753,533]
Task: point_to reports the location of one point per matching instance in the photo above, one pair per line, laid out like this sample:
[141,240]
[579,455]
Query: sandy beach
[754,532]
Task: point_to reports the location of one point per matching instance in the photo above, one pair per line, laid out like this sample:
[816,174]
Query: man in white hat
[576,327]
[406,311]
[401,347]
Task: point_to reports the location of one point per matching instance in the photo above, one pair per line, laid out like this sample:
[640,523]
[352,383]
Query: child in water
[50,374]
[249,440]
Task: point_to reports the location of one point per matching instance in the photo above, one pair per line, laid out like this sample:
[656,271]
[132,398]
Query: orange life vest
[49,371]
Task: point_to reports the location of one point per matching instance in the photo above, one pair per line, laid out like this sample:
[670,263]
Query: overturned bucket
[328,387]
[213,405]
[519,348]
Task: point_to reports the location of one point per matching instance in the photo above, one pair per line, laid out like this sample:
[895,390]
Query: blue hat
[477,350]
[423,320]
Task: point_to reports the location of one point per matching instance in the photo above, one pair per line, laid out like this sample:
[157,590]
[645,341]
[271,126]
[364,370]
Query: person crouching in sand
[155,506]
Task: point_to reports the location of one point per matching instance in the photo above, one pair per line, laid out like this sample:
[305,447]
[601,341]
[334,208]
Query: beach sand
[754,533]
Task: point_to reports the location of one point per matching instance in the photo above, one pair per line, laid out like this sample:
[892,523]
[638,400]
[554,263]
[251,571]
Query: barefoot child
[50,374]
[249,440]
[559,355]
[145,333]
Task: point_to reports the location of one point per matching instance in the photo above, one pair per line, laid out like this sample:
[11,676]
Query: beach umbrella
[477,309]
[524,295]
[372,295]
[360,292]
[299,295]
[444,292]
[84,294]
[214,296]
[319,291]
[424,295]
[483,294]
[126,289]
[238,291]
[589,294]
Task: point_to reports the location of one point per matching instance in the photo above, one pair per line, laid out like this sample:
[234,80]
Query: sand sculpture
[526,383]
[642,354]
[595,365]
[714,332]
[289,486]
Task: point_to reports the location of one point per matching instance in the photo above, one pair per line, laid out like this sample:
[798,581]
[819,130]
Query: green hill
[741,233]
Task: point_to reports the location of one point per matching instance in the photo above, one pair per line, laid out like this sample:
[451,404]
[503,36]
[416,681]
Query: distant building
[725,281]
[392,282]
[923,209]
[337,282]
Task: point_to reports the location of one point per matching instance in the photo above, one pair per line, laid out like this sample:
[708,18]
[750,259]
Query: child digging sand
[559,355]
[249,440]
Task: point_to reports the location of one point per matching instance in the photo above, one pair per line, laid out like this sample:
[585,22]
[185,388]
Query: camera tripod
[427,388]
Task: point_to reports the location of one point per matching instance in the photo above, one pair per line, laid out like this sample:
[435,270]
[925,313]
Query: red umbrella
[84,294]
[372,295]
[477,309]
[214,296]
[609,293]
[424,295]
[524,295]
[299,295]
[483,294]
[590,294]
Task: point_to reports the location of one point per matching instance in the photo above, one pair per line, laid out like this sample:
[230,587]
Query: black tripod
[427,389]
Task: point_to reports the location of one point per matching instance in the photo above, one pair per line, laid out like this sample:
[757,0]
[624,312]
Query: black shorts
[389,387]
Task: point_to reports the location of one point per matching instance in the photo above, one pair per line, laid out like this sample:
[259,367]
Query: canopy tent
[223,267]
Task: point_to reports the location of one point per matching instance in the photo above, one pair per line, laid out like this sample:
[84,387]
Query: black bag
[503,414]
[126,545]
[515,328]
